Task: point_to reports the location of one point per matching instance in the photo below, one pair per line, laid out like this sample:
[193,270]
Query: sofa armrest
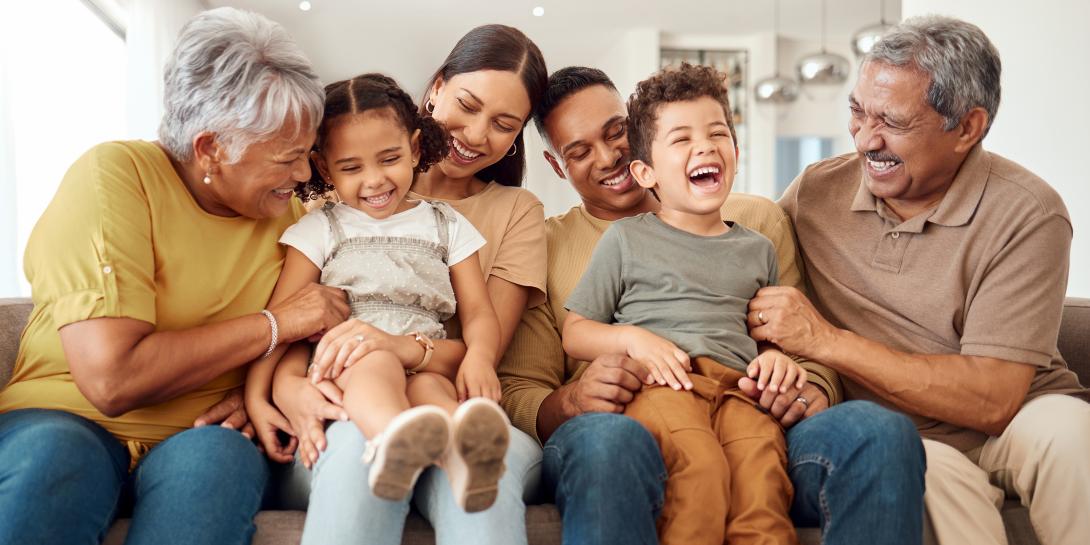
[1075,337]
[13,317]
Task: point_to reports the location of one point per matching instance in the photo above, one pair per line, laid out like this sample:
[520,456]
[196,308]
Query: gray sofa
[543,521]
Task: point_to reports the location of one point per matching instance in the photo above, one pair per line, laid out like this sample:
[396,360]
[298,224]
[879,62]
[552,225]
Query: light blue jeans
[341,509]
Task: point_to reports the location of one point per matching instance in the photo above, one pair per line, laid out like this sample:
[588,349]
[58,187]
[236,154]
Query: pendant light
[823,69]
[863,40]
[776,89]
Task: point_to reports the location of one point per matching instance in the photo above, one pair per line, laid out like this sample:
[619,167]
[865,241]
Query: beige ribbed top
[535,364]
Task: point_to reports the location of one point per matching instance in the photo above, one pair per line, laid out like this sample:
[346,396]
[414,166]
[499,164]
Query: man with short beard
[938,272]
[857,468]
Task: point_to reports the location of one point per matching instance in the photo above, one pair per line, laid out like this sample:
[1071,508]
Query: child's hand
[775,370]
[666,363]
[267,420]
[477,379]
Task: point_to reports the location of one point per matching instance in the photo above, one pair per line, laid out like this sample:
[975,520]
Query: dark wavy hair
[372,92]
[498,47]
[687,82]
[564,83]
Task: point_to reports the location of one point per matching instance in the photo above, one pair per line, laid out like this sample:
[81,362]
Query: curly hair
[684,83]
[371,92]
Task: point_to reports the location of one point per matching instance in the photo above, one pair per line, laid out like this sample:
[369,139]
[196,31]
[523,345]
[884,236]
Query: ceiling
[409,38]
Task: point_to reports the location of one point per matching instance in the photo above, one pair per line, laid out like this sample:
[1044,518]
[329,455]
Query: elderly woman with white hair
[150,272]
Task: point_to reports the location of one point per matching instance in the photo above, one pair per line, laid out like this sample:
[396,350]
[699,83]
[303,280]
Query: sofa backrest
[1074,335]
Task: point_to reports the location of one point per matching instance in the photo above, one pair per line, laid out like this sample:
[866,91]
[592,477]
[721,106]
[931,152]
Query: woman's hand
[268,421]
[477,379]
[230,413]
[350,341]
[312,310]
[307,407]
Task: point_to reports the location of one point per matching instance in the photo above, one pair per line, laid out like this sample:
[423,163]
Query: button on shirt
[983,273]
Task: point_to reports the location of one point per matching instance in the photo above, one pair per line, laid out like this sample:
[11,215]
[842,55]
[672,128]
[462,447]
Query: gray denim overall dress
[398,284]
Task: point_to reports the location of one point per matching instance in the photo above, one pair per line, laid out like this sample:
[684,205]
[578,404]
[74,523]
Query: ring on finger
[359,339]
[805,402]
[761,317]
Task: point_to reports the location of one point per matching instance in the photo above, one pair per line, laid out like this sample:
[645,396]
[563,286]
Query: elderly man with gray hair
[938,273]
[150,272]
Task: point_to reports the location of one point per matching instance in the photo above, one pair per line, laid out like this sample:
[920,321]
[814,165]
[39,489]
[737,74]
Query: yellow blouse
[123,237]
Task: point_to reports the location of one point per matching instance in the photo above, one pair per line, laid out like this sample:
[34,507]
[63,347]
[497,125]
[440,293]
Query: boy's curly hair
[370,92]
[687,82]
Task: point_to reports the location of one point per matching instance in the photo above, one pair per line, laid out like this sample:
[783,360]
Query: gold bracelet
[429,348]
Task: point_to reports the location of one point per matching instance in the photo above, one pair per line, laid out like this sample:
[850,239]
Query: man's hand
[784,317]
[230,413]
[606,386]
[786,406]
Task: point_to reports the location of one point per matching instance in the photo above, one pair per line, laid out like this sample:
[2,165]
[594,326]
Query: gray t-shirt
[689,289]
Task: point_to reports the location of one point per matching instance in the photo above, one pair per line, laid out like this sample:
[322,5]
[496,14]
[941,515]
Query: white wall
[816,114]
[1044,112]
[631,55]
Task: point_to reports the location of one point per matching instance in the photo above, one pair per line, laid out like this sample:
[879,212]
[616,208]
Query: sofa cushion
[13,317]
[1075,337]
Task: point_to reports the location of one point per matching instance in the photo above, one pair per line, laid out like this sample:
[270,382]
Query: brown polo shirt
[983,273]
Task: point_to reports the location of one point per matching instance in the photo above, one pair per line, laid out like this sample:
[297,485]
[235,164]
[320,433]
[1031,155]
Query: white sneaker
[412,441]
[474,463]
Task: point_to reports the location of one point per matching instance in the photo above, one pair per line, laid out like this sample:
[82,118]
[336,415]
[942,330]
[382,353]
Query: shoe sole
[408,448]
[480,439]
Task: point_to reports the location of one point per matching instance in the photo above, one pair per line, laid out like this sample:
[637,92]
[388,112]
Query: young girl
[404,264]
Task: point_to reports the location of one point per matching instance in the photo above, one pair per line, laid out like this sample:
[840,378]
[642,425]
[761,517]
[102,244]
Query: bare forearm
[141,368]
[934,386]
[555,410]
[586,339]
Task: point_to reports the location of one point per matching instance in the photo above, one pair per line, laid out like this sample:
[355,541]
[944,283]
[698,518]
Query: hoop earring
[429,107]
[514,150]
[207,178]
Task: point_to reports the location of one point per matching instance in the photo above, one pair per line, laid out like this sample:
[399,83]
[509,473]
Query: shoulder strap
[444,218]
[334,223]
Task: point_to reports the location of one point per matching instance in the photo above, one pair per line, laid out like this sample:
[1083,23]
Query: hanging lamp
[776,89]
[863,40]
[823,69]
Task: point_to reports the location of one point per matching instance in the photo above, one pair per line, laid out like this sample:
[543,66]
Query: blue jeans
[608,479]
[858,471]
[63,480]
[343,511]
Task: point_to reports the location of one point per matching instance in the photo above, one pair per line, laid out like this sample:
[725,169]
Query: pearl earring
[207,179]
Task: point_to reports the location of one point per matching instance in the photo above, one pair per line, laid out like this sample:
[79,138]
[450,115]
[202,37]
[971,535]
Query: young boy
[671,291]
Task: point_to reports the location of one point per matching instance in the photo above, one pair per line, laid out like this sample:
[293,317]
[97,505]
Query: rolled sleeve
[100,217]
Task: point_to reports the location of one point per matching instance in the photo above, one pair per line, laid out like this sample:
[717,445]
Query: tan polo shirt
[984,273]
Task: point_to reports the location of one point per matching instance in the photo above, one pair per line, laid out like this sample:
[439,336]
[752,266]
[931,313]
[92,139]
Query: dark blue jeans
[607,478]
[63,480]
[858,471]
[857,468]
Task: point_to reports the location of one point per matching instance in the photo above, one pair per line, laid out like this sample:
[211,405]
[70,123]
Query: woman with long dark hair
[483,94]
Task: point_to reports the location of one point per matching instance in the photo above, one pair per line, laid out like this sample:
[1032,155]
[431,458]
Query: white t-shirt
[314,238]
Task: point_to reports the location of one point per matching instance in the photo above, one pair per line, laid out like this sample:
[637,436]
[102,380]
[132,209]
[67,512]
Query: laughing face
[483,111]
[693,158]
[261,183]
[369,158]
[909,157]
[587,131]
